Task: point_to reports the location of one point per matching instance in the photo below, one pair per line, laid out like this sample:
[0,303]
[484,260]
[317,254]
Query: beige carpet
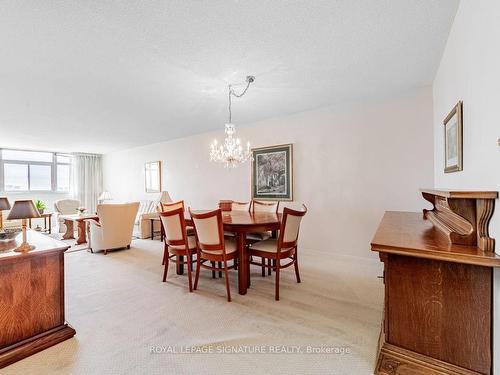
[121,309]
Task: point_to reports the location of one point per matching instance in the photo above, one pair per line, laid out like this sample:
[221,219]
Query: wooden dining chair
[285,247]
[178,247]
[228,206]
[260,206]
[212,246]
[241,206]
[165,207]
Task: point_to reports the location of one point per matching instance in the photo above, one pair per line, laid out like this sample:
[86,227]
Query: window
[34,171]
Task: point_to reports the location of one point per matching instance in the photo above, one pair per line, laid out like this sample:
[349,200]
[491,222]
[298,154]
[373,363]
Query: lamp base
[24,247]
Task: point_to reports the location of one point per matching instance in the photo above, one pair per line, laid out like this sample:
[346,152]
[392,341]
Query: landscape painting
[453,128]
[272,173]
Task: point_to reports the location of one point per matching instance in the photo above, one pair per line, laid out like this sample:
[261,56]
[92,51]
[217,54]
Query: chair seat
[269,246]
[231,247]
[191,244]
[259,236]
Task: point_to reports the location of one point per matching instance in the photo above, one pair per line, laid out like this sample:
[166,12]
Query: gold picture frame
[272,173]
[453,139]
[152,176]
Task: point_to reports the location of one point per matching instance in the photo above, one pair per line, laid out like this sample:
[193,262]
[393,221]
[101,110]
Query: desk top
[44,244]
[407,233]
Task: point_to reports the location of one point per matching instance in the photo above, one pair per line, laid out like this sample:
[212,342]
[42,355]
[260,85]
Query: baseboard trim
[35,344]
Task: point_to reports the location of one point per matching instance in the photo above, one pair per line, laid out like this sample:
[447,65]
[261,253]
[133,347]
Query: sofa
[114,228]
[149,209]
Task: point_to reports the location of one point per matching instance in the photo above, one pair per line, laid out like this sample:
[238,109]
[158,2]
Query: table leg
[180,266]
[69,235]
[50,224]
[82,236]
[243,264]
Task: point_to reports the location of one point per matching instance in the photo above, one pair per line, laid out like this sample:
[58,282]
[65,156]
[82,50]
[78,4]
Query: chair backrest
[117,222]
[67,206]
[174,225]
[290,225]
[241,206]
[209,230]
[259,206]
[166,207]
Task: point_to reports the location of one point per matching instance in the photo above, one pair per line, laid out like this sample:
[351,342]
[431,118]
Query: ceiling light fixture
[231,153]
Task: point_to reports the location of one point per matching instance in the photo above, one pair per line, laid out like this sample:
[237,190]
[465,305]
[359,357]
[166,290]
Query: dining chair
[285,247]
[178,245]
[241,206]
[260,206]
[165,207]
[212,246]
[229,206]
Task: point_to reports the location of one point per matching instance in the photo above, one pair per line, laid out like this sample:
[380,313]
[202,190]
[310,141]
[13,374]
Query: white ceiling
[96,76]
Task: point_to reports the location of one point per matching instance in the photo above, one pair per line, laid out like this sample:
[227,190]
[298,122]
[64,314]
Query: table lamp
[105,196]
[4,205]
[24,210]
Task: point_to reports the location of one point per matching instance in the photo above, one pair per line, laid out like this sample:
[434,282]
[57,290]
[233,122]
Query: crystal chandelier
[231,152]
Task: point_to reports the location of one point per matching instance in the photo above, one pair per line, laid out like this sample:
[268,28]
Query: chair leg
[165,252]
[190,267]
[166,269]
[105,252]
[235,264]
[220,266]
[277,284]
[227,282]
[197,276]
[213,271]
[296,265]
[269,269]
[263,260]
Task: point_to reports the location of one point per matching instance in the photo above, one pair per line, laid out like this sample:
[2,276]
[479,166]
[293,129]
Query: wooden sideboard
[438,275]
[31,298]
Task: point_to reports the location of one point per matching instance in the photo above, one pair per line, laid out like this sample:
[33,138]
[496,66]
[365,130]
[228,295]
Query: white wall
[351,163]
[470,71]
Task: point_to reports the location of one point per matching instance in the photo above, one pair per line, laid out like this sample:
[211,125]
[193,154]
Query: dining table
[241,223]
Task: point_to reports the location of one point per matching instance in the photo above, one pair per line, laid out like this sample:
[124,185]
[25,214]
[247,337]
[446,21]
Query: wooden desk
[241,223]
[438,312]
[31,298]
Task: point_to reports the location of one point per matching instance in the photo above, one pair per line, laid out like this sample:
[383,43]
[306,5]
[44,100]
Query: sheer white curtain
[87,179]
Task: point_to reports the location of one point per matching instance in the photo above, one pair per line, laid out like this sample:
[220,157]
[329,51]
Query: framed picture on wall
[272,173]
[153,176]
[453,146]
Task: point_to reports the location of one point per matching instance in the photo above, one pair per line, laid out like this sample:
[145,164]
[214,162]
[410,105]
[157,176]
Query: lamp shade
[165,197]
[105,196]
[24,209]
[4,204]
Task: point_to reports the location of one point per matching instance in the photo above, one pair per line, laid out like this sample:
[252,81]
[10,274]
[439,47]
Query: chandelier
[231,152]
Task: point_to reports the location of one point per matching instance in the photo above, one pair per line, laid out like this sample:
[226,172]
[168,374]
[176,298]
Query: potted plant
[40,206]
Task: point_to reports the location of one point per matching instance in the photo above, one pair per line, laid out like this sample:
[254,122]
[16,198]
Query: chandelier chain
[249,80]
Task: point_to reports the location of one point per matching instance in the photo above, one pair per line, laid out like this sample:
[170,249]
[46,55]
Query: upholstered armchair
[114,228]
[65,207]
[147,211]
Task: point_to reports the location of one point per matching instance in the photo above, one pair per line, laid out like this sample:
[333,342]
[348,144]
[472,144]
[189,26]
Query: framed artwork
[272,173]
[453,146]
[153,176]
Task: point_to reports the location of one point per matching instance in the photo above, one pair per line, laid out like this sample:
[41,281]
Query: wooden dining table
[241,223]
